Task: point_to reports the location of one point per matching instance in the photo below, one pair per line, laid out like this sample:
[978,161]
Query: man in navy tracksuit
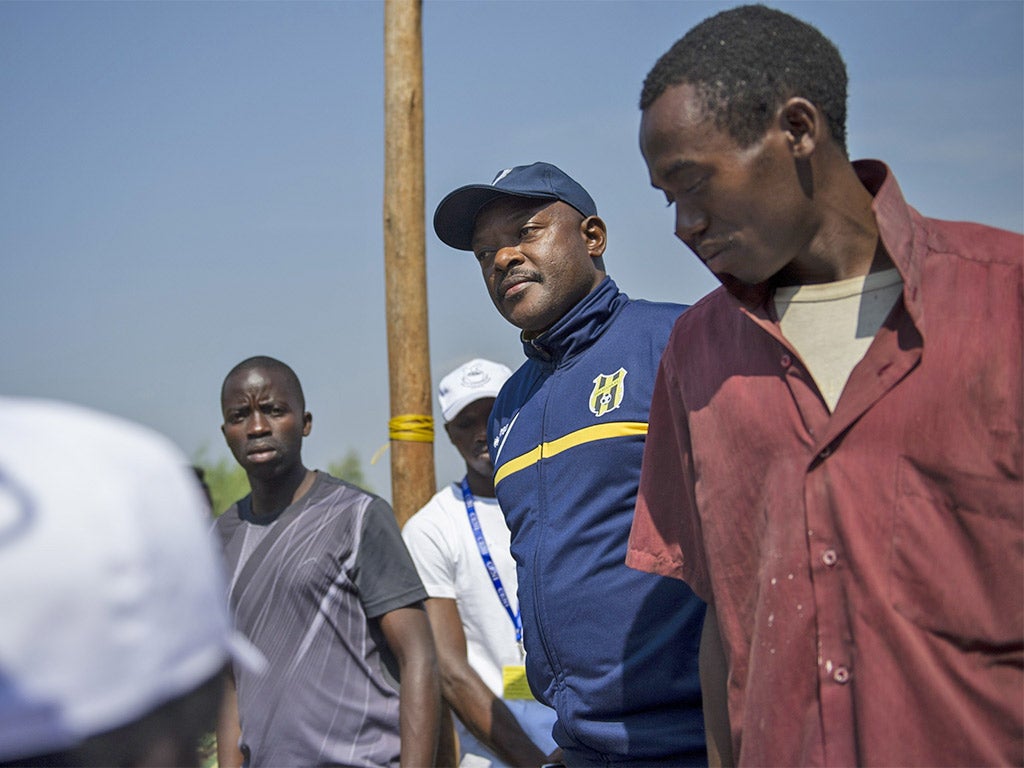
[613,650]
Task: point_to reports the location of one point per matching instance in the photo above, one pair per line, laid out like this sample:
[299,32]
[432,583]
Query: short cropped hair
[746,62]
[271,364]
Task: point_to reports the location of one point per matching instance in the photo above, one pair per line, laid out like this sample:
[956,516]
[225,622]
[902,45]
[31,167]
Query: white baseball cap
[468,383]
[112,591]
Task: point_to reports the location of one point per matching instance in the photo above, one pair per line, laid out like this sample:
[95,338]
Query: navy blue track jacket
[612,649]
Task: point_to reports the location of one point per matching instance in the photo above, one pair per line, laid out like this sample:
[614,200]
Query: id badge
[514,682]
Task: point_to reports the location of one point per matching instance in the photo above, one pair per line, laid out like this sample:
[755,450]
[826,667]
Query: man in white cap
[460,544]
[115,631]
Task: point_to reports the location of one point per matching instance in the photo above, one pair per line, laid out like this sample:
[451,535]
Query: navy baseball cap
[455,216]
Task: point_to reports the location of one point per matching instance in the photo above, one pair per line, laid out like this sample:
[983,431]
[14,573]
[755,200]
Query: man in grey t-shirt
[320,581]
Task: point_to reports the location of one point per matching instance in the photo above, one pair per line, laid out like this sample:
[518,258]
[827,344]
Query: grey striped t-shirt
[306,588]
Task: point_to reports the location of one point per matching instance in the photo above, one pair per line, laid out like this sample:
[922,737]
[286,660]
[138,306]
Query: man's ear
[595,233]
[307,423]
[803,125]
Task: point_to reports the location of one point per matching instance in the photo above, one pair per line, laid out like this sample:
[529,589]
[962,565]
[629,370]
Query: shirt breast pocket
[957,564]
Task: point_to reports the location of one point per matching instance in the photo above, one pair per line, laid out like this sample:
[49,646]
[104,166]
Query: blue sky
[186,184]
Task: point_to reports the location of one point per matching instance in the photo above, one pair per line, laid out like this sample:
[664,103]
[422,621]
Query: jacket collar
[579,327]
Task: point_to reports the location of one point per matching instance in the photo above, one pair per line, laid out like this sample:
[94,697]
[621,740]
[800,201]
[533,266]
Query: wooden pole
[405,276]
[412,462]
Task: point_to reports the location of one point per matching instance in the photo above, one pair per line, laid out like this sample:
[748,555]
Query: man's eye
[696,185]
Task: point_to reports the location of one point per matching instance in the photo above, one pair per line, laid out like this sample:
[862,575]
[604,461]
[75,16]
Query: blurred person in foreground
[612,650]
[460,544]
[114,635]
[321,583]
[834,459]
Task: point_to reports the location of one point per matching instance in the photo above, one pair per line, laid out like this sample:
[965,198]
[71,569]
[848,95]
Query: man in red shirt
[834,460]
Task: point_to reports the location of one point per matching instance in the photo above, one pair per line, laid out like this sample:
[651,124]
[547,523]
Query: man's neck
[847,242]
[481,486]
[271,497]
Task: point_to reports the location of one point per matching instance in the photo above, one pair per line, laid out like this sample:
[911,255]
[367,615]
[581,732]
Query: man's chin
[482,465]
[518,313]
[262,470]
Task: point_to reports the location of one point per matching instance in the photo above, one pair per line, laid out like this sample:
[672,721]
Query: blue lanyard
[492,569]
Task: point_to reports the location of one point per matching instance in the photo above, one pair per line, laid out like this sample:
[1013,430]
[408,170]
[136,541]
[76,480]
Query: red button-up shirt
[867,565]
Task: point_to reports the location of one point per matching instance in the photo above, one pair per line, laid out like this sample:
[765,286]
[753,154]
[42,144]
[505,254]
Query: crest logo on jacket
[608,392]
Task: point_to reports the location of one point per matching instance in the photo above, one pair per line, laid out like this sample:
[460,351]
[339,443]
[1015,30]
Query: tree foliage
[225,479]
[350,468]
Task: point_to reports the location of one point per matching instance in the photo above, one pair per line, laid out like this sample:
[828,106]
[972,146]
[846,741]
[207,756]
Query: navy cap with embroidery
[455,217]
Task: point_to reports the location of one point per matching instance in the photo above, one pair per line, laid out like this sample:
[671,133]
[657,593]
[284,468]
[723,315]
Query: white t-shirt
[833,324]
[441,542]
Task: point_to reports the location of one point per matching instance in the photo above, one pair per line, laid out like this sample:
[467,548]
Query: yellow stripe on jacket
[571,440]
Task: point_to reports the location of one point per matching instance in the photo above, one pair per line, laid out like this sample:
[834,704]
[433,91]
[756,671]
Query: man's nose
[691,222]
[258,424]
[507,256]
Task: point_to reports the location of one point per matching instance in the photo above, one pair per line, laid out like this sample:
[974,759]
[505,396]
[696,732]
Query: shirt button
[829,557]
[785,360]
[841,675]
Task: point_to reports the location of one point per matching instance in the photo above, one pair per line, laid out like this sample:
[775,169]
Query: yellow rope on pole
[409,427]
[412,428]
